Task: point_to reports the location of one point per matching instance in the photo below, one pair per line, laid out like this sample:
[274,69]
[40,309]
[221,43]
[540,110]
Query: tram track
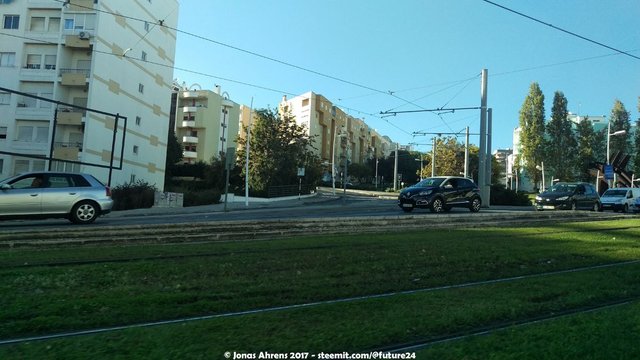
[266,229]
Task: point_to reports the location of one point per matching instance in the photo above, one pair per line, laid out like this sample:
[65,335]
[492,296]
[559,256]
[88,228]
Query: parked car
[635,207]
[619,199]
[441,194]
[81,198]
[566,195]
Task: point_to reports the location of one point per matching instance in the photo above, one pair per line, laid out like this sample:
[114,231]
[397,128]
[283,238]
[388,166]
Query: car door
[59,194]
[450,191]
[22,196]
[581,199]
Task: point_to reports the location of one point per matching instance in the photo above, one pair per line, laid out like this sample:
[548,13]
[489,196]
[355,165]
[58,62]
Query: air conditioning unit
[84,35]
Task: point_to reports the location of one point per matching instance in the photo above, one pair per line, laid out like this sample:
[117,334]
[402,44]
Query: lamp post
[333,160]
[420,166]
[609,135]
[541,168]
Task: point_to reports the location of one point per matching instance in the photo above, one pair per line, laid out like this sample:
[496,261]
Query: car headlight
[538,198]
[425,193]
[563,198]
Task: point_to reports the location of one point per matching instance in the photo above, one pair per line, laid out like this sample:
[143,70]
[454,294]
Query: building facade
[207,123]
[337,134]
[86,54]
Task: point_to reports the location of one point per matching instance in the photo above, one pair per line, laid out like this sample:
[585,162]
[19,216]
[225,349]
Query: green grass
[226,277]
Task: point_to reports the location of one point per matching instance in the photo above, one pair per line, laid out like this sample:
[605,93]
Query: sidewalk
[237,205]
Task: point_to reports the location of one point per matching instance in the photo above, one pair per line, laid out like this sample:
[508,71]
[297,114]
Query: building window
[135,149]
[141,88]
[11,21]
[144,56]
[1,166]
[33,61]
[37,23]
[5,98]
[54,24]
[146,26]
[3,132]
[7,59]
[133,178]
[138,120]
[50,62]
[38,134]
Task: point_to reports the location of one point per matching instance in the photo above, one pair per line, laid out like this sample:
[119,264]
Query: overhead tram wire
[245,51]
[164,65]
[563,30]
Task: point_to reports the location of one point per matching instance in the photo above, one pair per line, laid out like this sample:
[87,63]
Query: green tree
[560,145]
[619,120]
[450,159]
[586,151]
[279,146]
[532,131]
[174,156]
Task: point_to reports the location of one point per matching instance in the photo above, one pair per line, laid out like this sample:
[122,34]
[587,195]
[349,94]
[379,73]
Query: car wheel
[84,212]
[437,206]
[626,208]
[407,209]
[475,205]
[574,206]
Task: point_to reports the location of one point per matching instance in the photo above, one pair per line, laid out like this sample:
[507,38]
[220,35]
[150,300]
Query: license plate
[407,205]
[548,207]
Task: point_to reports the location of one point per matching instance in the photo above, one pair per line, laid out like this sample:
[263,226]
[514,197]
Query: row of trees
[279,146]
[570,154]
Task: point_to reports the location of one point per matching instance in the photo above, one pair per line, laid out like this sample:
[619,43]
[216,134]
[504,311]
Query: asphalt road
[321,206]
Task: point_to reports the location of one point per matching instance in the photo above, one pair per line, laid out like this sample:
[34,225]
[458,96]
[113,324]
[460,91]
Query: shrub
[202,197]
[503,196]
[139,194]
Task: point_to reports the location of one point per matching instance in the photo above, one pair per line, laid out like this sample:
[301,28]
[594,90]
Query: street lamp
[541,168]
[333,159]
[420,166]
[609,135]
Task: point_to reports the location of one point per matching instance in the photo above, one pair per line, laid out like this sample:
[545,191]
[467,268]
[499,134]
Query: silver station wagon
[81,198]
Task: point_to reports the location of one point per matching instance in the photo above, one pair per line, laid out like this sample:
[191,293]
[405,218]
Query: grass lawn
[117,285]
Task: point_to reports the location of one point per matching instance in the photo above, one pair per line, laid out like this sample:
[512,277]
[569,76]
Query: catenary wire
[562,30]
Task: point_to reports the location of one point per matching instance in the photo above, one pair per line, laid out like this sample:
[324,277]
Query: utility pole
[488,154]
[433,158]
[482,172]
[395,170]
[466,154]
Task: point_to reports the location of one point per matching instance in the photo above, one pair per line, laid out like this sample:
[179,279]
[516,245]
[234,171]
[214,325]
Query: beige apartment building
[330,126]
[109,55]
[207,123]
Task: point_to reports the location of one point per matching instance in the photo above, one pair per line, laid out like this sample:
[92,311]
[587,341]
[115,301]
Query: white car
[81,198]
[620,199]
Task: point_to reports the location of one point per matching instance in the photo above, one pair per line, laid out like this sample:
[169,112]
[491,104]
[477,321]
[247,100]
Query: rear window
[67,180]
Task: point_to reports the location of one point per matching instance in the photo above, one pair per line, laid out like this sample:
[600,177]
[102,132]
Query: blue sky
[428,53]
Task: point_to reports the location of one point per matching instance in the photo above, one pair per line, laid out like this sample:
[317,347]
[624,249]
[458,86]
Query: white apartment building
[207,123]
[328,124]
[109,55]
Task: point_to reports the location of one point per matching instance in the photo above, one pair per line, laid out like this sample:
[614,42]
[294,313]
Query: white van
[620,199]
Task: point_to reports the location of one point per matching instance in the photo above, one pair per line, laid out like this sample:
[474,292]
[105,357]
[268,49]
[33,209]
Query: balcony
[66,151]
[193,95]
[81,5]
[74,77]
[190,139]
[192,109]
[189,124]
[66,117]
[189,154]
[77,41]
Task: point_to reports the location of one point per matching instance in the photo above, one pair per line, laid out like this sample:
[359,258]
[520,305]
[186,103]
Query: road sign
[608,172]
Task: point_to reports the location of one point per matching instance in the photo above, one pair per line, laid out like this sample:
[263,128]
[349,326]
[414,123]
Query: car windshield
[562,188]
[430,182]
[615,193]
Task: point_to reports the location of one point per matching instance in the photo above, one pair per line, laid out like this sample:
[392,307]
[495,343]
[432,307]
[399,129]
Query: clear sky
[428,53]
